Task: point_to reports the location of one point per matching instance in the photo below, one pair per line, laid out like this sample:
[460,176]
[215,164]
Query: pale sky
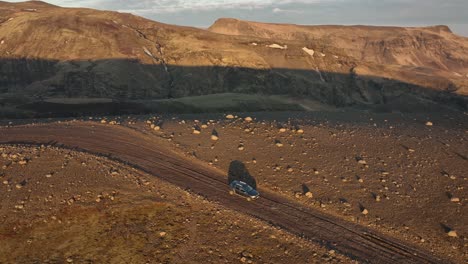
[202,13]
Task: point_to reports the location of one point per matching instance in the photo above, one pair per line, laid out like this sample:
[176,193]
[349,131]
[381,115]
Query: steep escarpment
[433,51]
[435,47]
[52,52]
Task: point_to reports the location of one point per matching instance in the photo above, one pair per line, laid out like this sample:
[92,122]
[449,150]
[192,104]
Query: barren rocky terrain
[401,178]
[403,175]
[62,206]
[123,134]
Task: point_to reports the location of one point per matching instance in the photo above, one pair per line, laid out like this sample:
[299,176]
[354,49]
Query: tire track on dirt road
[151,154]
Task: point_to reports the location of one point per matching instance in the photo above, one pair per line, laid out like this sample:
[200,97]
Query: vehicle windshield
[247,188]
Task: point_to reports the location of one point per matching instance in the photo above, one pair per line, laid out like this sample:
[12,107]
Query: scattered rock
[214,137]
[196,130]
[429,123]
[162,234]
[21,184]
[277,46]
[311,52]
[364,211]
[248,119]
[455,199]
[247,255]
[309,195]
[70,201]
[230,117]
[452,233]
[278,143]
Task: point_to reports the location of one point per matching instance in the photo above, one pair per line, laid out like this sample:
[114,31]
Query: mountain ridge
[436,28]
[91,53]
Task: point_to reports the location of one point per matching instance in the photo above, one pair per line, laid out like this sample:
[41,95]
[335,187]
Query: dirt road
[152,155]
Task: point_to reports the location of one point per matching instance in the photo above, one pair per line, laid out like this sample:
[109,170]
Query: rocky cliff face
[433,47]
[48,51]
[430,57]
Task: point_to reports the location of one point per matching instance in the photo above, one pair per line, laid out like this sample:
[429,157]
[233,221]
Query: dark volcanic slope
[48,51]
[149,154]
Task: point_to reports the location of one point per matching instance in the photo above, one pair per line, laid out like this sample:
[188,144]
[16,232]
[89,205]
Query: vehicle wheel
[231,192]
[249,199]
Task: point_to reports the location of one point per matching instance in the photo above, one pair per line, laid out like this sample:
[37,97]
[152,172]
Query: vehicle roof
[239,182]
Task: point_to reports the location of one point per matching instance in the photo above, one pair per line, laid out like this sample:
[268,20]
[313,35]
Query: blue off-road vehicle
[243,189]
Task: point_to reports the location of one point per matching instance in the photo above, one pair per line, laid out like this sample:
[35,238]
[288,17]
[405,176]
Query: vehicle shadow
[238,171]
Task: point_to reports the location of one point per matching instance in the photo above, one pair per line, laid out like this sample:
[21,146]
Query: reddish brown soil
[67,206]
[366,244]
